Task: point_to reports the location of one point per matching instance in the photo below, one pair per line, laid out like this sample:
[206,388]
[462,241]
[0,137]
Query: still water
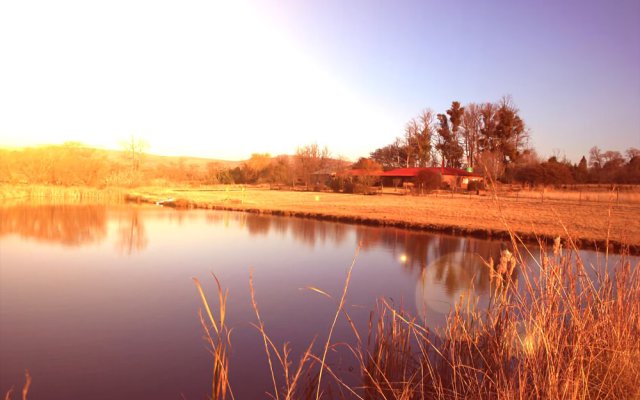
[98,302]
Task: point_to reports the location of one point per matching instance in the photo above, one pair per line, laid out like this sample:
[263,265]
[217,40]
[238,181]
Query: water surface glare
[98,301]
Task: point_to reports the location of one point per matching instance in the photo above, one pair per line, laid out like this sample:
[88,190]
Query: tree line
[602,167]
[493,139]
[74,164]
[474,135]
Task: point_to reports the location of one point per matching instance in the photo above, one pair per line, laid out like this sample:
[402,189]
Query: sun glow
[204,78]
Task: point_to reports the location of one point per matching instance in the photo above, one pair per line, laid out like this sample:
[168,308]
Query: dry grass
[466,214]
[72,194]
[556,334]
[217,335]
[560,335]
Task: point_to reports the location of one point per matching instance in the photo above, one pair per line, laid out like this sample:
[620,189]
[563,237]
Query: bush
[348,187]
[474,186]
[428,180]
[336,184]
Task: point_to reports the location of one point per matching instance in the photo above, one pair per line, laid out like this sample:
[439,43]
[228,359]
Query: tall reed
[217,334]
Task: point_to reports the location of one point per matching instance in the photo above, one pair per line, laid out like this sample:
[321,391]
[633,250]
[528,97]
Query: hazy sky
[225,79]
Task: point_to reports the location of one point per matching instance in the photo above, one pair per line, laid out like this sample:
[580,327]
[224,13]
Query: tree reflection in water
[70,225]
[132,237]
[308,232]
[446,266]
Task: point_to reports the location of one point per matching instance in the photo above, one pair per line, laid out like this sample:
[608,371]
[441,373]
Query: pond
[98,301]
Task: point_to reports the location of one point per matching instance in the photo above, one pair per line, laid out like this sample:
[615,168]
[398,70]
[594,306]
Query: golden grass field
[485,214]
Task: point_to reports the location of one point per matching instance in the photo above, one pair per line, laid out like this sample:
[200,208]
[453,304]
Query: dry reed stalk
[335,319]
[220,342]
[292,382]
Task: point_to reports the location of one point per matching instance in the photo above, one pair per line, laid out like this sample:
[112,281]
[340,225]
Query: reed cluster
[558,329]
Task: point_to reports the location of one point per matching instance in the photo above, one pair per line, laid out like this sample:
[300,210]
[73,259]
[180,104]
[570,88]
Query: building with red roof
[451,177]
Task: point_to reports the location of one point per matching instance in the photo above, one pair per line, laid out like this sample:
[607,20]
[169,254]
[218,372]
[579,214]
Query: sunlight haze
[228,79]
[208,79]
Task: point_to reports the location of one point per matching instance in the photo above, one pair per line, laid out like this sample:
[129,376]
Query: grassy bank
[589,224]
[50,193]
[560,335]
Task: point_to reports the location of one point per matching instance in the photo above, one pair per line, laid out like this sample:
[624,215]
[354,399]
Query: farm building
[451,177]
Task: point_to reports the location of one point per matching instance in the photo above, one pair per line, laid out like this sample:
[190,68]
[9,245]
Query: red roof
[363,172]
[411,172]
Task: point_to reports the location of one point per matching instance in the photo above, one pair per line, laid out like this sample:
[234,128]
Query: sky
[225,79]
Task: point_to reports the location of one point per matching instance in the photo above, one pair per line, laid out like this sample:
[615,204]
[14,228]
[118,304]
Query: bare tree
[309,159]
[134,148]
[472,125]
[425,136]
[596,158]
[411,132]
[631,153]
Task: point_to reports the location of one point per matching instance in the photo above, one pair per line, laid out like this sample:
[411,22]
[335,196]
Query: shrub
[336,184]
[475,186]
[428,180]
[348,187]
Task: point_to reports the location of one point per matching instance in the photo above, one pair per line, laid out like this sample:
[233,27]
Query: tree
[367,164]
[450,150]
[581,172]
[390,156]
[310,159]
[556,173]
[411,132]
[503,131]
[595,157]
[492,164]
[281,171]
[134,149]
[371,168]
[472,124]
[255,169]
[424,137]
[631,153]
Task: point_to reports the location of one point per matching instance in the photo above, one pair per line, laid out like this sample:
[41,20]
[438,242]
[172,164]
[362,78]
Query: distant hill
[152,160]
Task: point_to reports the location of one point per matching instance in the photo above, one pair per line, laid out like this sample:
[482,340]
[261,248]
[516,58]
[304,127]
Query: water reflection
[307,232]
[444,267]
[70,225]
[132,237]
[453,263]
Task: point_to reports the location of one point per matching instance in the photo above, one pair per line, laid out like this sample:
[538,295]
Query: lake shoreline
[591,225]
[350,217]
